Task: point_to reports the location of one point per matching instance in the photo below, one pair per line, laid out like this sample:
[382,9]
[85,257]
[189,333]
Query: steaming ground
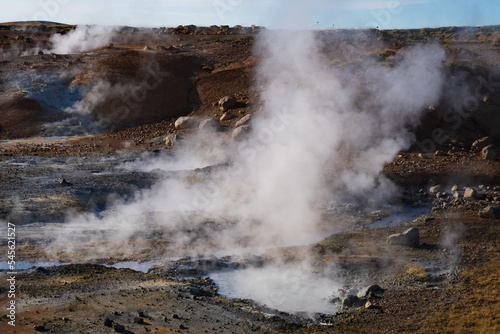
[311,166]
[269,186]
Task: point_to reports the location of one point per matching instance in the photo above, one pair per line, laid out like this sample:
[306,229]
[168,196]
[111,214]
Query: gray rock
[138,320]
[119,328]
[227,102]
[240,132]
[490,212]
[490,152]
[350,301]
[209,125]
[409,238]
[171,139]
[185,123]
[470,193]
[244,121]
[435,189]
[108,322]
[226,116]
[370,291]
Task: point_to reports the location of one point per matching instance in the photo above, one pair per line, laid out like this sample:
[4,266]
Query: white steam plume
[316,119]
[83,38]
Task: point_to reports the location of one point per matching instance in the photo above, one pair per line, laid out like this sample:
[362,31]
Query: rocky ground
[442,279]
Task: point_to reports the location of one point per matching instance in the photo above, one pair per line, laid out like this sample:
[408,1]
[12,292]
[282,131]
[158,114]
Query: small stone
[181,326]
[39,328]
[435,189]
[209,125]
[138,320]
[454,188]
[175,316]
[240,132]
[119,328]
[226,116]
[245,120]
[349,301]
[108,322]
[227,103]
[171,139]
[185,123]
[490,212]
[370,291]
[369,305]
[440,153]
[409,238]
[470,193]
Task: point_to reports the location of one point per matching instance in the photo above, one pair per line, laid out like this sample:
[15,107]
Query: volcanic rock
[435,189]
[240,132]
[227,102]
[350,301]
[119,328]
[226,116]
[108,322]
[490,212]
[210,124]
[185,123]
[171,139]
[409,238]
[370,291]
[470,193]
[244,121]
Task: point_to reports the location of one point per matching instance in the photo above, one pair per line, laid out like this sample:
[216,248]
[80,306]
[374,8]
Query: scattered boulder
[227,103]
[138,320]
[185,123]
[490,212]
[481,143]
[350,301]
[490,152]
[119,328]
[226,116]
[369,305]
[210,124]
[470,193]
[240,132]
[108,322]
[171,139]
[244,120]
[370,291]
[409,238]
[435,189]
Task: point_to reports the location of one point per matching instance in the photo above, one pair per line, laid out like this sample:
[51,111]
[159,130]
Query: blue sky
[269,13]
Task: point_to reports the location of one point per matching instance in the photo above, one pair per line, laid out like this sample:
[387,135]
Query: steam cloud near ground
[313,119]
[316,121]
[83,38]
